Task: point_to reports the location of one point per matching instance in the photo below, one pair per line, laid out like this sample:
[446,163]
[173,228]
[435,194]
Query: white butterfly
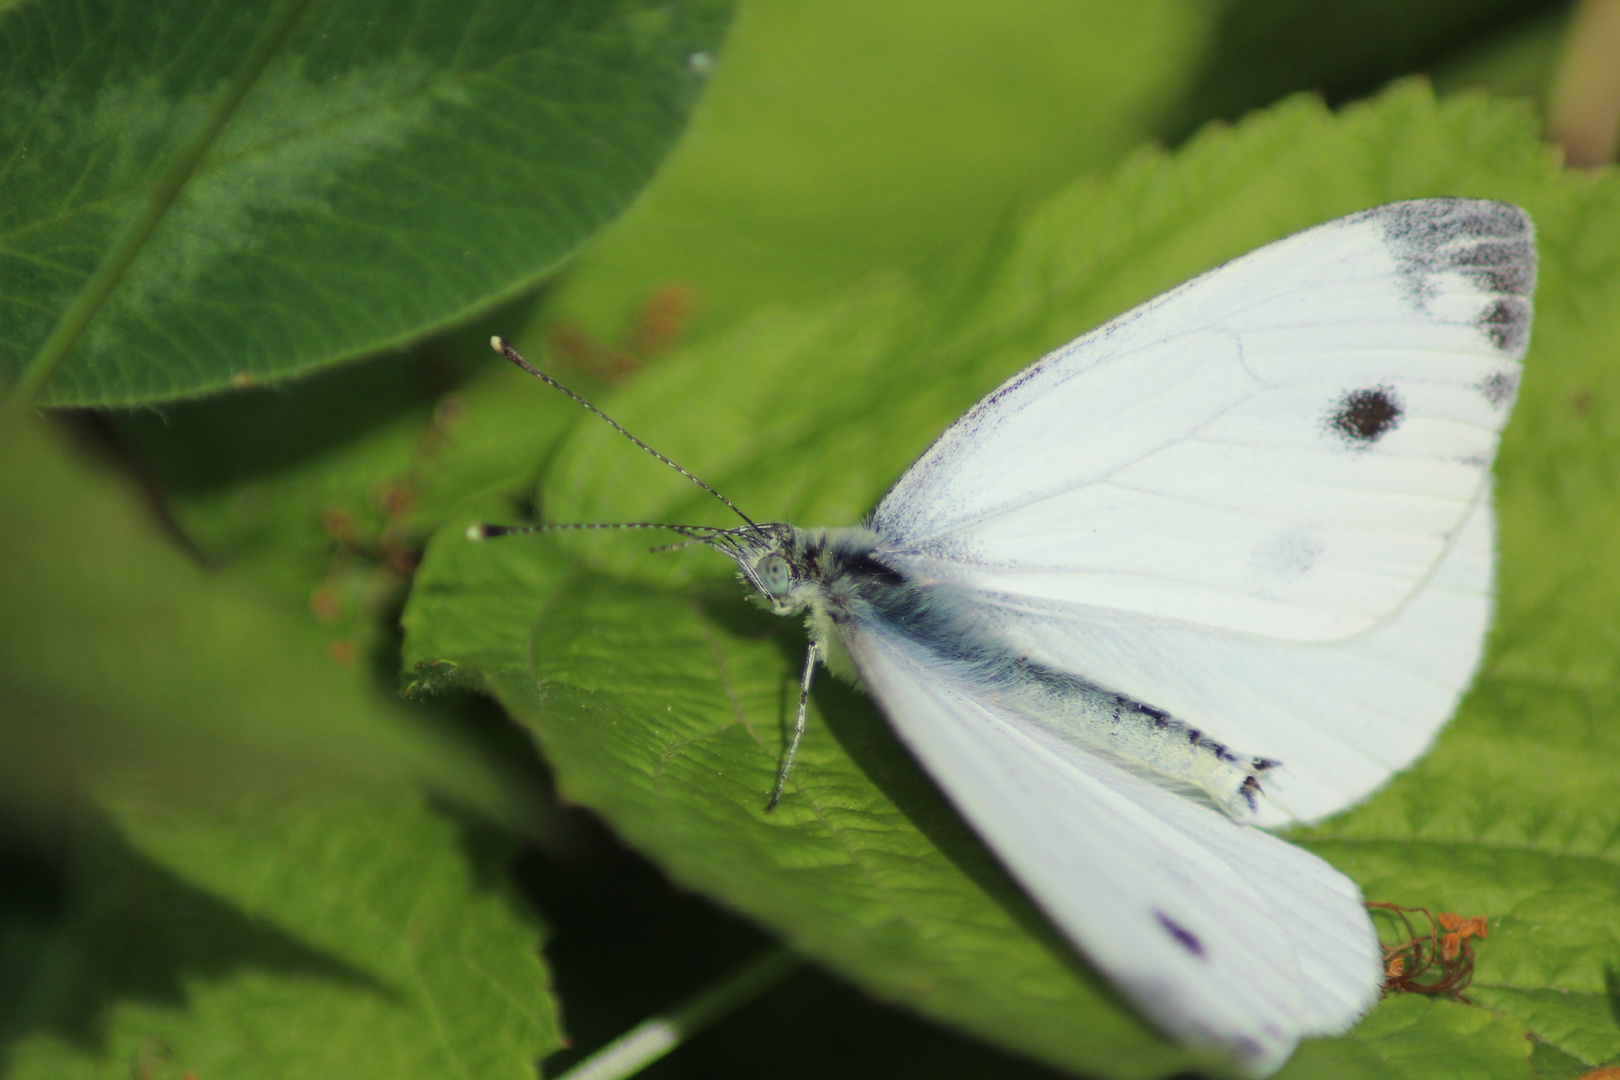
[1225,562]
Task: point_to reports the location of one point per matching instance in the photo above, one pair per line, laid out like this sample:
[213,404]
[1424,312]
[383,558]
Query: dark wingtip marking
[1365,416]
[1490,244]
[1433,222]
[1503,267]
[1500,387]
[1506,321]
[1184,937]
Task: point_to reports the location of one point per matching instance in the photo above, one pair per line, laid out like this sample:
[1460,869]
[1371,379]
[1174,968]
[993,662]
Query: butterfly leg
[811,656]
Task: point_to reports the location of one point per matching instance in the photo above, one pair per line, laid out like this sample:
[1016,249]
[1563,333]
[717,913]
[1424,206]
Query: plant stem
[1583,113]
[658,1035]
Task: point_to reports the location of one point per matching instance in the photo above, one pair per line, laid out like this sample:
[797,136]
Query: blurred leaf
[661,698]
[1517,61]
[318,496]
[842,139]
[845,137]
[118,656]
[358,935]
[258,474]
[202,195]
[292,909]
[1263,49]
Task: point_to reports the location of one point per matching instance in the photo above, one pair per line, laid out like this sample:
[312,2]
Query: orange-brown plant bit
[661,322]
[1458,930]
[658,327]
[1430,963]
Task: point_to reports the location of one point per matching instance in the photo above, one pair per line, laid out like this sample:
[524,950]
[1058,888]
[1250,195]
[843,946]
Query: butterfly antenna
[504,347]
[723,539]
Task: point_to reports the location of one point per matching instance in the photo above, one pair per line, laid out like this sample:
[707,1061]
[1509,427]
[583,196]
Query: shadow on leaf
[95,924]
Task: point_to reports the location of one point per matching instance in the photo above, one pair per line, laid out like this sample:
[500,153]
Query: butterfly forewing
[1282,447]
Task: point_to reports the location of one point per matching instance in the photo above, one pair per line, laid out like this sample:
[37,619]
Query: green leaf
[198,196]
[119,656]
[1263,49]
[843,136]
[661,698]
[291,906]
[1518,61]
[319,496]
[358,935]
[1415,1038]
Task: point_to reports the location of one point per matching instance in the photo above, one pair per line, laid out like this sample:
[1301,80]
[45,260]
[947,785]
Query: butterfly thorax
[841,580]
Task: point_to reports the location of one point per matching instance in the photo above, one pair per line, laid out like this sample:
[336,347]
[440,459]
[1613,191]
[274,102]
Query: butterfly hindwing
[1342,717]
[1223,934]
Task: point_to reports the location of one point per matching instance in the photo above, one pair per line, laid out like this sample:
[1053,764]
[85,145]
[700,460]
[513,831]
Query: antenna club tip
[477,532]
[498,343]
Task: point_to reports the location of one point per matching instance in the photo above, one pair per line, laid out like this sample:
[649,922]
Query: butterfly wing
[1342,716]
[1285,446]
[1222,934]
[1260,502]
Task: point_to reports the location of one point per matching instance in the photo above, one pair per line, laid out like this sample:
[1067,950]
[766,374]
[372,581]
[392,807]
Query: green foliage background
[225,851]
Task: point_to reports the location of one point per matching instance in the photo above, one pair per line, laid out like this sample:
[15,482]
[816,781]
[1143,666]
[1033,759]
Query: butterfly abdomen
[1143,737]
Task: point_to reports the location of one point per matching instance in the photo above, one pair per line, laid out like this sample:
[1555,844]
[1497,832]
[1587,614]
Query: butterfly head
[770,559]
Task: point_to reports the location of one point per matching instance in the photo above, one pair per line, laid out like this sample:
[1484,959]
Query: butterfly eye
[774,574]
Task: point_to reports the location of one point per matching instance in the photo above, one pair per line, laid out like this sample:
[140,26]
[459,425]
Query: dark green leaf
[292,907]
[1263,49]
[359,935]
[845,136]
[200,195]
[118,655]
[842,137]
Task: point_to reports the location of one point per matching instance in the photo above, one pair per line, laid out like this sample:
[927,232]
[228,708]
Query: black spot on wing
[1362,417]
[1183,937]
